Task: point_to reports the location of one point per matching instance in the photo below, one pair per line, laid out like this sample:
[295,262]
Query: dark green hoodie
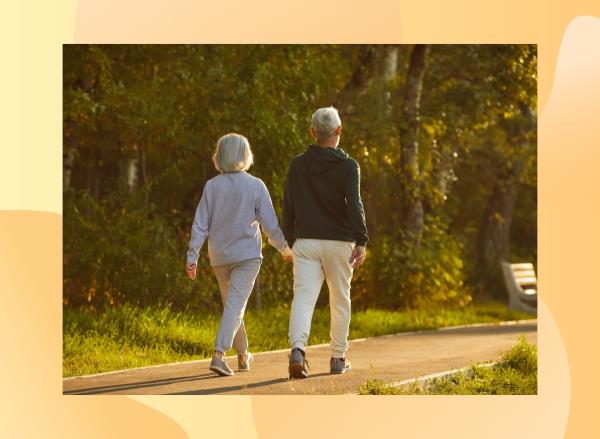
[322,197]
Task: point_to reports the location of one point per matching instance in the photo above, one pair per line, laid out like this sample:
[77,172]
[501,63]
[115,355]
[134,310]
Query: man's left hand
[287,255]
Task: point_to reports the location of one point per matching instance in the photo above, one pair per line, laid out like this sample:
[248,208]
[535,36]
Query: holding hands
[191,269]
[287,255]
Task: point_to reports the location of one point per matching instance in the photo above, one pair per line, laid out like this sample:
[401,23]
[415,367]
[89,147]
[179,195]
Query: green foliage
[129,336]
[372,322]
[521,357]
[276,279]
[119,250]
[430,275]
[377,387]
[165,106]
[516,374]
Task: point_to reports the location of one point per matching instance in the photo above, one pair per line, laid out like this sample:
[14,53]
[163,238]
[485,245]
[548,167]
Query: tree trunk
[409,123]
[494,235]
[360,82]
[144,174]
[381,112]
[130,169]
[132,173]
[68,162]
[443,159]
[142,158]
[390,69]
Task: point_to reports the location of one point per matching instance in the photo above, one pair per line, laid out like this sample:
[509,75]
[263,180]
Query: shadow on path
[242,386]
[372,349]
[128,386]
[167,381]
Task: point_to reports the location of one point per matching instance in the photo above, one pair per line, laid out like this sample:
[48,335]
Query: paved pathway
[390,358]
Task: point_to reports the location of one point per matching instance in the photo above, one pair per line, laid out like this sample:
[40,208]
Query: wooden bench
[521,284]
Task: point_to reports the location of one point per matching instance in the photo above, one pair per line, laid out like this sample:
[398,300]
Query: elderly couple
[323,223]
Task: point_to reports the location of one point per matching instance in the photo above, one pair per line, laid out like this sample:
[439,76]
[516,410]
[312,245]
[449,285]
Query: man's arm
[354,207]
[289,214]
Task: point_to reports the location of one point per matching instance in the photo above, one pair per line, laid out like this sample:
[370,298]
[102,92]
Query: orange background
[568,37]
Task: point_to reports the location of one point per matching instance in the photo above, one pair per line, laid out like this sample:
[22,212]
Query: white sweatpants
[316,260]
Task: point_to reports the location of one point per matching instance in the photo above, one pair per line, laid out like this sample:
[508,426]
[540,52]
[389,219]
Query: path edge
[422,381]
[357,340]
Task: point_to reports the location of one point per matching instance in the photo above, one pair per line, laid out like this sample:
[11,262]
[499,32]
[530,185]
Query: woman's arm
[268,220]
[199,228]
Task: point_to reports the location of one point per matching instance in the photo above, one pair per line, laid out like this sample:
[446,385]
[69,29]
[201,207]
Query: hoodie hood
[320,160]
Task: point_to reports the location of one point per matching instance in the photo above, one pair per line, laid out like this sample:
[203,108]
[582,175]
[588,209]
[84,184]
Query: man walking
[324,221]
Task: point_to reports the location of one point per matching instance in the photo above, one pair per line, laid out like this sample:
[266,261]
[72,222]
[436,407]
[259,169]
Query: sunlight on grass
[515,374]
[133,337]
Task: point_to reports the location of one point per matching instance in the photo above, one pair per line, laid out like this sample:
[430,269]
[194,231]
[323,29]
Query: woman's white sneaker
[244,362]
[220,367]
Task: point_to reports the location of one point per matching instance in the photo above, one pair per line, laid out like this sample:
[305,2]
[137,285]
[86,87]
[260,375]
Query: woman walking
[232,207]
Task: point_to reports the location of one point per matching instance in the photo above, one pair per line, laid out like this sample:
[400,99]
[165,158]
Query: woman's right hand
[191,271]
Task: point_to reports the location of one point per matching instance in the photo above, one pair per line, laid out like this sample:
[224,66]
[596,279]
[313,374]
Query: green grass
[515,374]
[133,337]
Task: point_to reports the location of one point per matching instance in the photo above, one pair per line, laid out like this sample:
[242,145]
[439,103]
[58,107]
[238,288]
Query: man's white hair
[233,153]
[325,121]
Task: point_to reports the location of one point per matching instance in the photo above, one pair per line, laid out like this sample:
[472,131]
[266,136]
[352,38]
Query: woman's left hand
[191,271]
[287,255]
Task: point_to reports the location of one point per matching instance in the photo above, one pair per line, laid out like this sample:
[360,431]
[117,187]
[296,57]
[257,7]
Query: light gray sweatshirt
[232,206]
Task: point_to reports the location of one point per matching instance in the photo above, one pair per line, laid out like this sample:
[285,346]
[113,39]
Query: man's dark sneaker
[298,364]
[339,365]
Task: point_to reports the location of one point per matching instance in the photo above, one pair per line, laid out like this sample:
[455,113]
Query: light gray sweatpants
[316,260]
[235,283]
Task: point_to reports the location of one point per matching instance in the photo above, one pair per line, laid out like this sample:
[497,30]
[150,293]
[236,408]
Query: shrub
[521,357]
[431,275]
[119,250]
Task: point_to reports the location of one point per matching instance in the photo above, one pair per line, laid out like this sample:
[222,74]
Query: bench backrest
[524,274]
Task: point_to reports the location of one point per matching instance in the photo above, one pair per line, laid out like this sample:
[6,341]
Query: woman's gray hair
[325,121]
[233,153]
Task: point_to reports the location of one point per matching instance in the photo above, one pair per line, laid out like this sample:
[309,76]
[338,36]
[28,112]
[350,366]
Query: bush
[275,278]
[521,357]
[431,275]
[119,250]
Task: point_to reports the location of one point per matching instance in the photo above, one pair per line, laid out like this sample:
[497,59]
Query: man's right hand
[287,255]
[358,256]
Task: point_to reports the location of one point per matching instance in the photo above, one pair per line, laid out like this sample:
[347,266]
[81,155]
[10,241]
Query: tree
[438,131]
[494,238]
[409,126]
